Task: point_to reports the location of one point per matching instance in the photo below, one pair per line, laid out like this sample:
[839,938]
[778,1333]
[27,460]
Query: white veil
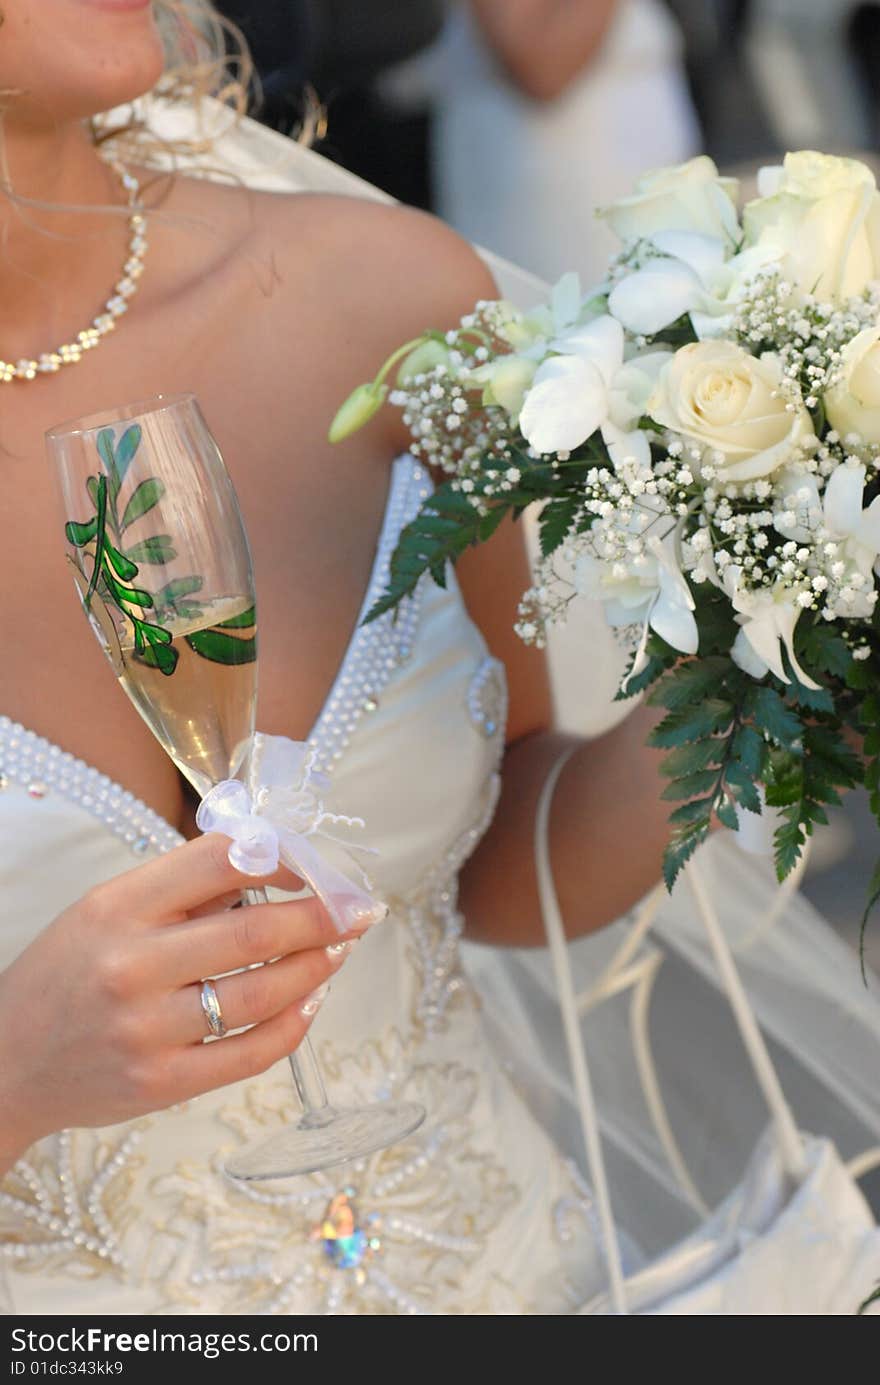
[678,1105]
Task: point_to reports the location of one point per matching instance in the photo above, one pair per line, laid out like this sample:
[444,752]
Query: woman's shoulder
[400,268]
[332,283]
[381,257]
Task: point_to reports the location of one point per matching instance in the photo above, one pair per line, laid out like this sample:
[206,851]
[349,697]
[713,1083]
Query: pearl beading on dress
[66,1220]
[377,650]
[42,768]
[487,698]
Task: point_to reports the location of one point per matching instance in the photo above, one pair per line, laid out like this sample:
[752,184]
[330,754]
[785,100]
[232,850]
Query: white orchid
[688,273]
[856,532]
[587,387]
[650,591]
[767,618]
[505,379]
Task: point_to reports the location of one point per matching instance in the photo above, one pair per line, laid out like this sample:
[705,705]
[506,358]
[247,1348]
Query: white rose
[728,401]
[821,216]
[853,404]
[689,197]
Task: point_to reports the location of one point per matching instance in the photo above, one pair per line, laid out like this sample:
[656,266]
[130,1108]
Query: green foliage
[690,681]
[821,648]
[770,712]
[446,525]
[660,657]
[556,520]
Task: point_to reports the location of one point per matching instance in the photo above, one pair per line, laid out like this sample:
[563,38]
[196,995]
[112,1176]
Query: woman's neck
[56,266]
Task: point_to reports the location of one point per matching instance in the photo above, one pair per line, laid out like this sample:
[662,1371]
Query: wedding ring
[212,1011]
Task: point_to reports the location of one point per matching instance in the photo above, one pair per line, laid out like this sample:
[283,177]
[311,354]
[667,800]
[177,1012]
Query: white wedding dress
[484,1209]
[139,1218]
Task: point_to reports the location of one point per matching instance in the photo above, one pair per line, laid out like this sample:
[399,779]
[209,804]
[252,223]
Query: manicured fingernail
[313,1002]
[362,917]
[337,952]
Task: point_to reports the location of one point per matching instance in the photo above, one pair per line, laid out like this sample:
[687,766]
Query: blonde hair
[206,56]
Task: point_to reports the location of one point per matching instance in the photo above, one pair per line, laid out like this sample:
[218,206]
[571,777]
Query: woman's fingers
[253,996]
[202,1067]
[187,952]
[233,899]
[166,889]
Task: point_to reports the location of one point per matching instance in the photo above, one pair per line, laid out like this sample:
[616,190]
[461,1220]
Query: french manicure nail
[362,917]
[313,1002]
[337,952]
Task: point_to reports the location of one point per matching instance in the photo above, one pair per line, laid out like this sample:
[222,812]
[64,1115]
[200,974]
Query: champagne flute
[160,558]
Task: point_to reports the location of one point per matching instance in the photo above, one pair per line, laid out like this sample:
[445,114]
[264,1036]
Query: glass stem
[307,1078]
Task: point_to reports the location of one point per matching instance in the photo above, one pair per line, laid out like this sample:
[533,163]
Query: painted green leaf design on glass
[242,622]
[147,494]
[106,453]
[160,656]
[221,648]
[81,534]
[176,599]
[121,564]
[158,549]
[114,571]
[126,447]
[177,588]
[117,456]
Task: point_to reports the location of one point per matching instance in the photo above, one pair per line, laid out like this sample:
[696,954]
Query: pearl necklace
[71,352]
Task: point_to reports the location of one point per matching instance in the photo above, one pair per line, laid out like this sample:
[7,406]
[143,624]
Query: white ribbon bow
[276,816]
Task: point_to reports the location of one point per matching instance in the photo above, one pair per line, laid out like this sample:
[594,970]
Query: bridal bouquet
[701,433]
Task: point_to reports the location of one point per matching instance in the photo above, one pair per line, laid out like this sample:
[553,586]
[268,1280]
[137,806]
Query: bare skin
[269,308]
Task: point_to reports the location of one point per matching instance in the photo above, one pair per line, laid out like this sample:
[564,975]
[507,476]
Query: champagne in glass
[161,561]
[205,753]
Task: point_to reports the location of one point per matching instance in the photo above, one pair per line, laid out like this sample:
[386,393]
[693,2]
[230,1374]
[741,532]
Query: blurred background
[513,119]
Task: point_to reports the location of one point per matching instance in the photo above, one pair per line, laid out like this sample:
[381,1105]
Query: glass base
[326,1138]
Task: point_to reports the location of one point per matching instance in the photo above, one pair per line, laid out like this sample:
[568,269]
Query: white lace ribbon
[275,818]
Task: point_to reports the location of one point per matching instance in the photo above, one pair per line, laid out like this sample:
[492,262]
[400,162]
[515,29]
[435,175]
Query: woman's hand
[101,1017]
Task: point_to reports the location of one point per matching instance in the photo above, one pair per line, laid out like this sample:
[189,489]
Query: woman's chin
[77,58]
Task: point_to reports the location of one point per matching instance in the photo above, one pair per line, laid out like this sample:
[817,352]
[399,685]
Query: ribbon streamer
[275,817]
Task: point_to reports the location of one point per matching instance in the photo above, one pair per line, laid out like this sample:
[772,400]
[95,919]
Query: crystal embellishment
[346,1244]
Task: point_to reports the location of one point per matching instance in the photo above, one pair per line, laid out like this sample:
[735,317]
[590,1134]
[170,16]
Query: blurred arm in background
[544,44]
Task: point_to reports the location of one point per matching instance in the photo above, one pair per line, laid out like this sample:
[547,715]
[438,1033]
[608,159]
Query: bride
[116,1115]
